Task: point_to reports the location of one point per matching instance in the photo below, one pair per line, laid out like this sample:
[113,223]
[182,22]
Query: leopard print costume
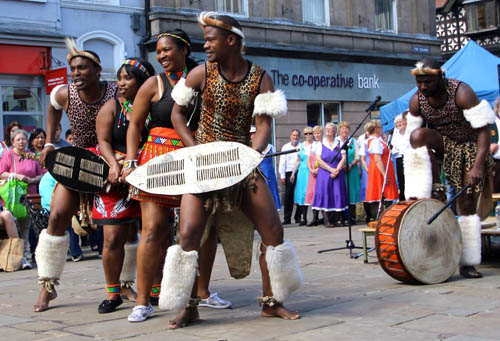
[227,107]
[459,138]
[82,116]
[448,119]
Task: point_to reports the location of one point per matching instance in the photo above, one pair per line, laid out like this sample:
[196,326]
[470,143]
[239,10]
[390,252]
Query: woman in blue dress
[301,175]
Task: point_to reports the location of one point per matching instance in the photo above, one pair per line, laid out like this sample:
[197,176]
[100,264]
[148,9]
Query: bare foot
[185,317]
[43,300]
[279,310]
[129,294]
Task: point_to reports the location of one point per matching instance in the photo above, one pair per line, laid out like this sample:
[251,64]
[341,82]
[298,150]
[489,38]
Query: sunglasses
[308,133]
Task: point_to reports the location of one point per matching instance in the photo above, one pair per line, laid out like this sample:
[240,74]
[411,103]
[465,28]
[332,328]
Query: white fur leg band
[127,276]
[50,257]
[413,122]
[183,95]
[53,99]
[480,115]
[179,273]
[271,103]
[284,271]
[418,173]
[471,240]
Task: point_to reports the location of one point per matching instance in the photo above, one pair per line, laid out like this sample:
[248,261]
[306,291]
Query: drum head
[430,253]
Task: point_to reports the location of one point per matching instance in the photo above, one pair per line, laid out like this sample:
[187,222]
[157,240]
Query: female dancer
[114,210]
[154,97]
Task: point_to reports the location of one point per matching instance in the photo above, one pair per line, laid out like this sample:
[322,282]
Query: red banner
[54,78]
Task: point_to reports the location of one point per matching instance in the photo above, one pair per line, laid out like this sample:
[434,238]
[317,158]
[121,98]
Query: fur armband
[183,95]
[53,99]
[480,115]
[413,122]
[270,103]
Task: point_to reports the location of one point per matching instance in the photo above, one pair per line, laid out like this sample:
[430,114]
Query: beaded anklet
[113,289]
[155,290]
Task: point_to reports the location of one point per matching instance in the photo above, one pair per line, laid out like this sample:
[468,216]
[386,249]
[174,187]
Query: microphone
[373,104]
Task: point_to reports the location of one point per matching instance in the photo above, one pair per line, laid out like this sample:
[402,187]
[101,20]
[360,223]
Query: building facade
[32,45]
[331,57]
[458,21]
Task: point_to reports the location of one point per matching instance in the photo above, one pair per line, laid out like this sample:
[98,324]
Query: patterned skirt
[160,141]
[114,207]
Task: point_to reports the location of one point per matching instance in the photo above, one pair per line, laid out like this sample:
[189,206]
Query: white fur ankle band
[418,173]
[270,103]
[480,115]
[183,95]
[471,240]
[50,257]
[179,273]
[127,275]
[284,271]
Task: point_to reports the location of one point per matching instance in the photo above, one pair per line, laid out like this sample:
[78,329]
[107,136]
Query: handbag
[11,254]
[11,193]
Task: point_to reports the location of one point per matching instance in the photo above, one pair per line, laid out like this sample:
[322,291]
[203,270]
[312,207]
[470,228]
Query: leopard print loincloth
[458,160]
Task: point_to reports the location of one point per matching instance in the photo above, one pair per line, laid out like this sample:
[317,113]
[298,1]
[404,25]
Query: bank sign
[321,80]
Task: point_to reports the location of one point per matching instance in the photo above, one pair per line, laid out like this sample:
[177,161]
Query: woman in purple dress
[331,192]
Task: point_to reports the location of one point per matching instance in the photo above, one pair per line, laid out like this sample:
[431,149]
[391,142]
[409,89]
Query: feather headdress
[74,52]
[420,69]
[210,19]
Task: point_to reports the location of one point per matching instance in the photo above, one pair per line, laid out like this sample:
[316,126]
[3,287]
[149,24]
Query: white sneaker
[26,264]
[214,301]
[141,313]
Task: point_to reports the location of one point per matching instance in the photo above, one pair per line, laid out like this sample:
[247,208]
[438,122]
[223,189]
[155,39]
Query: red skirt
[160,141]
[113,208]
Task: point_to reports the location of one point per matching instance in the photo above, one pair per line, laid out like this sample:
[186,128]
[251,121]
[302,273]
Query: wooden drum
[413,252]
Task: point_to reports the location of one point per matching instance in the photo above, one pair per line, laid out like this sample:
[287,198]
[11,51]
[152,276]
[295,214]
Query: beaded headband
[136,64]
[207,19]
[74,52]
[420,70]
[174,36]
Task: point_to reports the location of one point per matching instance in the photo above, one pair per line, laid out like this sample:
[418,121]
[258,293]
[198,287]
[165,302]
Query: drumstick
[448,204]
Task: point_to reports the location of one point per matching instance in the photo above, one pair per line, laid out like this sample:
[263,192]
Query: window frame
[326,13]
[394,28]
[322,112]
[244,6]
[471,7]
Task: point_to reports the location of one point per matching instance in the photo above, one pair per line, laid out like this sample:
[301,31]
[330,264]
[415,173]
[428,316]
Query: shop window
[316,12]
[232,6]
[481,15]
[385,15]
[321,113]
[22,104]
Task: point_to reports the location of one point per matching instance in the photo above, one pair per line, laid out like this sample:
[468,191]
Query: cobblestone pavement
[342,299]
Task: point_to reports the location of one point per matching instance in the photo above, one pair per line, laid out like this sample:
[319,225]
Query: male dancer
[459,138]
[81,100]
[234,91]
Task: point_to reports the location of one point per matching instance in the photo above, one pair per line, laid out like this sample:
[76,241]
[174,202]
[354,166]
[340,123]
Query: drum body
[413,252]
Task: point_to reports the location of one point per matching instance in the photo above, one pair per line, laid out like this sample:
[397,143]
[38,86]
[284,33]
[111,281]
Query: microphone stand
[345,146]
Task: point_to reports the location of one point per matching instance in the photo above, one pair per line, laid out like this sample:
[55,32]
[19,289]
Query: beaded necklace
[126,107]
[175,76]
